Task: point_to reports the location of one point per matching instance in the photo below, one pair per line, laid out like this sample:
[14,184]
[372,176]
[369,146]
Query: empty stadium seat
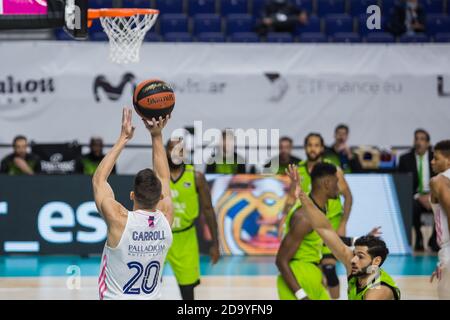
[211,37]
[387,5]
[207,23]
[358,7]
[414,38]
[257,8]
[433,6]
[325,7]
[169,6]
[233,7]
[178,37]
[437,23]
[349,37]
[136,4]
[201,6]
[239,23]
[96,4]
[442,37]
[173,22]
[152,37]
[313,37]
[338,23]
[98,36]
[312,26]
[304,5]
[279,37]
[380,37]
[244,37]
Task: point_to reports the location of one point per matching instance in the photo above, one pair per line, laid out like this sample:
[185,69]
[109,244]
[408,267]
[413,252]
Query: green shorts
[309,277]
[335,222]
[184,257]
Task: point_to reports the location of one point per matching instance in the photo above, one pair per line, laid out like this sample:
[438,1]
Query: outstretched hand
[127,131]
[156,126]
[292,172]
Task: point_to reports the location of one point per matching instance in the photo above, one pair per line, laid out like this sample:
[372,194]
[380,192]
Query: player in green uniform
[366,280]
[337,213]
[190,196]
[300,251]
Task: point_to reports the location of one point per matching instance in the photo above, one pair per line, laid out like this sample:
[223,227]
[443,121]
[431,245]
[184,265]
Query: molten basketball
[153,99]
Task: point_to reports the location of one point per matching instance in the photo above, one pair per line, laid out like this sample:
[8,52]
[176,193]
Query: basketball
[153,99]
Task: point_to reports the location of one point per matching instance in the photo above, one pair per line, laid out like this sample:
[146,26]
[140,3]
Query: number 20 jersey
[134,268]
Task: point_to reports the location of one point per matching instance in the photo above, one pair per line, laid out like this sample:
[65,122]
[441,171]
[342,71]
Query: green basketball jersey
[89,166]
[355,293]
[226,168]
[334,205]
[185,199]
[310,249]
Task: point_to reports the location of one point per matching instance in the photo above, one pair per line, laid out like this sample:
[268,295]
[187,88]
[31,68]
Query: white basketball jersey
[133,270]
[441,221]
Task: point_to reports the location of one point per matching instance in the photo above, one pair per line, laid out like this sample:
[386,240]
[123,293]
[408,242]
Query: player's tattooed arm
[160,164]
[344,189]
[207,209]
[103,193]
[299,227]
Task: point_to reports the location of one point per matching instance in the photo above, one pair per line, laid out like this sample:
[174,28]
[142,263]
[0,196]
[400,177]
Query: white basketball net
[126,35]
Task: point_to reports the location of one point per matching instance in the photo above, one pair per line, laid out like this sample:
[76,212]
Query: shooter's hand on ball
[155,127]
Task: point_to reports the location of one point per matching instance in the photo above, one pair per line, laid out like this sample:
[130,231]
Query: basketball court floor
[233,278]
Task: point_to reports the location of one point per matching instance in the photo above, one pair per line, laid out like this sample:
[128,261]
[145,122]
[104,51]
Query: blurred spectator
[91,160]
[226,160]
[407,17]
[340,153]
[281,16]
[20,161]
[418,162]
[285,156]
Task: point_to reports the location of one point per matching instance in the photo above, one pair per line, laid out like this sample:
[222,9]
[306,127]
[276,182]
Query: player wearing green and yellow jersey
[190,196]
[300,251]
[366,279]
[337,213]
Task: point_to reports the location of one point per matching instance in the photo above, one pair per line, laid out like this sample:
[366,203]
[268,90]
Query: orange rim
[117,12]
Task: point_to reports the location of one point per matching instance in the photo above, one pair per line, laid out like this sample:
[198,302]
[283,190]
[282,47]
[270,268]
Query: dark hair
[17,138]
[376,246]
[443,147]
[96,139]
[147,188]
[321,170]
[314,134]
[424,132]
[286,138]
[342,126]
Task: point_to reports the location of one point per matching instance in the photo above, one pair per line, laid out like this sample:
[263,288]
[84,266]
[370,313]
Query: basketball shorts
[309,277]
[444,282]
[184,257]
[335,222]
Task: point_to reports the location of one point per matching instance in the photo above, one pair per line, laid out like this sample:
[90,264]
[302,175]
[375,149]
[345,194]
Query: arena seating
[329,21]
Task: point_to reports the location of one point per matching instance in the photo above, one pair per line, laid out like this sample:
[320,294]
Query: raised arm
[207,209]
[106,204]
[321,224]
[344,189]
[160,164]
[299,227]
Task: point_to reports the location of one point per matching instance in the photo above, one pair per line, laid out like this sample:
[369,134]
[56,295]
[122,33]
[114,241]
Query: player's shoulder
[438,181]
[113,210]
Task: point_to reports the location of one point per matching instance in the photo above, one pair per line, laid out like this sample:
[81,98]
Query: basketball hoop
[126,29]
